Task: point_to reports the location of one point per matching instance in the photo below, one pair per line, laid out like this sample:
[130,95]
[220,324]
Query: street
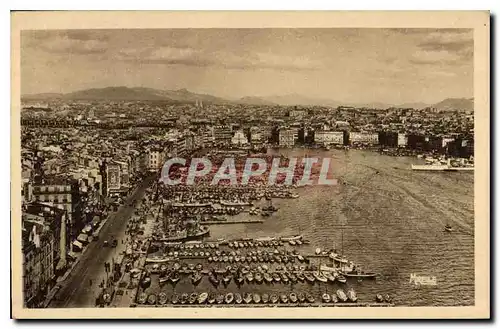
[76,290]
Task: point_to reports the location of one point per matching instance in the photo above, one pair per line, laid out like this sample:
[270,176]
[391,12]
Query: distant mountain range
[186,96]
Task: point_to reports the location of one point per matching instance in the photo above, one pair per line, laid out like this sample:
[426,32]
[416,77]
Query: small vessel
[388,298]
[341,295]
[318,251]
[326,298]
[193,298]
[256,298]
[291,238]
[163,279]
[309,298]
[265,298]
[229,298]
[268,277]
[284,277]
[174,277]
[202,298]
[300,258]
[237,298]
[152,299]
[300,276]
[142,298]
[196,278]
[175,299]
[213,279]
[341,278]
[250,277]
[220,299]
[239,279]
[309,277]
[293,297]
[276,277]
[351,294]
[320,277]
[184,298]
[301,297]
[162,298]
[361,275]
[274,298]
[292,242]
[284,298]
[329,276]
[448,228]
[334,298]
[248,298]
[292,277]
[211,298]
[379,298]
[227,279]
[258,277]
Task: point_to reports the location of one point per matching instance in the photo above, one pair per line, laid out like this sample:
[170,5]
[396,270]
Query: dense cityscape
[91,199]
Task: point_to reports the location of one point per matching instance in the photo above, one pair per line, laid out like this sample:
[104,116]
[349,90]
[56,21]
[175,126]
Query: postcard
[293,165]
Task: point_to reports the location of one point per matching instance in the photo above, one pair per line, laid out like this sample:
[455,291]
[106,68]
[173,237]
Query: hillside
[460,104]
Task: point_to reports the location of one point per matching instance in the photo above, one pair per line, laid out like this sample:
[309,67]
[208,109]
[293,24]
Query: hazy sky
[349,65]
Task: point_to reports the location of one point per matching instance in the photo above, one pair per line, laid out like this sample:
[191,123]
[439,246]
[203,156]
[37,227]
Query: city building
[325,137]
[239,138]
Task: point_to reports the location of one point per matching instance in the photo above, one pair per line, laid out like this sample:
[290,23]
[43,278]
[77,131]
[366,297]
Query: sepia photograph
[250,165]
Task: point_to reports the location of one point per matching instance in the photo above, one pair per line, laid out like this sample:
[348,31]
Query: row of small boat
[254,277]
[263,258]
[247,298]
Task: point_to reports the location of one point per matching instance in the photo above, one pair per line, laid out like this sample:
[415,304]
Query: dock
[252,305]
[219,222]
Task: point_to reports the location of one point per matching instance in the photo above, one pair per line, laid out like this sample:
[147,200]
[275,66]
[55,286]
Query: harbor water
[386,218]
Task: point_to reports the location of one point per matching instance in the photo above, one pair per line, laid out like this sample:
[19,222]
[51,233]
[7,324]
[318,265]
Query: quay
[240,221]
[270,305]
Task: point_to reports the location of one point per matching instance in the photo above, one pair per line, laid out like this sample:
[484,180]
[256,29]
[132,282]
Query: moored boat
[193,298]
[162,298]
[249,277]
[341,278]
[265,298]
[256,298]
[196,278]
[211,299]
[258,277]
[326,298]
[284,277]
[320,277]
[301,297]
[175,299]
[237,298]
[274,298]
[309,277]
[219,299]
[362,275]
[300,276]
[268,277]
[329,276]
[291,238]
[152,299]
[341,295]
[284,298]
[229,298]
[202,298]
[293,297]
[142,298]
[309,298]
[248,298]
[379,298]
[276,277]
[351,294]
[184,298]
